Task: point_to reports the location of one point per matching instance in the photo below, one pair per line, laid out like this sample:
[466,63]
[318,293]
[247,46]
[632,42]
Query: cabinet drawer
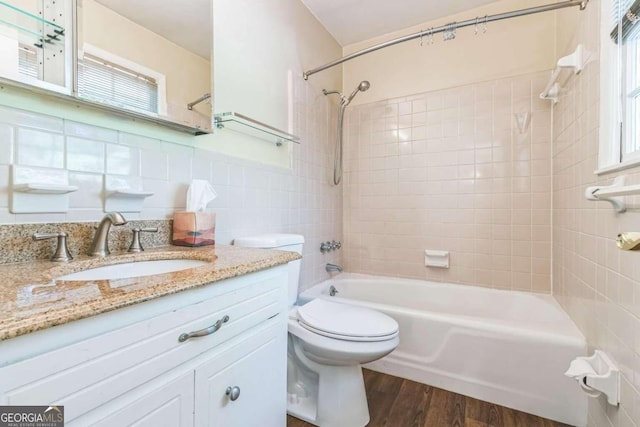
[88,374]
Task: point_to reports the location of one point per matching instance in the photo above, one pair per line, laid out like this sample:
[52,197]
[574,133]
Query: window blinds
[28,62]
[626,19]
[115,85]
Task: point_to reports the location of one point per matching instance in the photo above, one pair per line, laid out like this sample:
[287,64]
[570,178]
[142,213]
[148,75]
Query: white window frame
[631,92]
[160,78]
[617,116]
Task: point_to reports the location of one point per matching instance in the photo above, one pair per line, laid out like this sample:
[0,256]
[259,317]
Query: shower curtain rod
[452,26]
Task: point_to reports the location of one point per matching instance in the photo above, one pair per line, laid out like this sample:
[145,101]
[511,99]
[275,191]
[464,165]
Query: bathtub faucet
[333,267]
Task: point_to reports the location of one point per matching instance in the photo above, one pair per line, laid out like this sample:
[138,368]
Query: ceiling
[189,27]
[351,21]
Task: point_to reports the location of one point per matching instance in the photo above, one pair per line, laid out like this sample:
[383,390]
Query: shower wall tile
[596,283]
[252,197]
[449,170]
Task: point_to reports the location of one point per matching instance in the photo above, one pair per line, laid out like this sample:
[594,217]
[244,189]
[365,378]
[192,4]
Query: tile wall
[252,198]
[449,170]
[596,283]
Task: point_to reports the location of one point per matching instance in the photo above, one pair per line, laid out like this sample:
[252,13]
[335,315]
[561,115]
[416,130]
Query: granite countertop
[31,298]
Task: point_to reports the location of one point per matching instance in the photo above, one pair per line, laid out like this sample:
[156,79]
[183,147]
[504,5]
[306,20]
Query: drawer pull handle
[204,332]
[233,393]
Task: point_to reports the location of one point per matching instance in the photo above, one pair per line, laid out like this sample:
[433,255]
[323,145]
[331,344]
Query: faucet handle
[62,253]
[136,246]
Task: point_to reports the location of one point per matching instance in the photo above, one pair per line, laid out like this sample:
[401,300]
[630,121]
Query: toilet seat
[346,322]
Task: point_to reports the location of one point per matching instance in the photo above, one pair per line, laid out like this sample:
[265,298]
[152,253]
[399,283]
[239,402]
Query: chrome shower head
[362,87]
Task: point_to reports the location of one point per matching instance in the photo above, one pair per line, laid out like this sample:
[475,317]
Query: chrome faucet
[333,267]
[100,244]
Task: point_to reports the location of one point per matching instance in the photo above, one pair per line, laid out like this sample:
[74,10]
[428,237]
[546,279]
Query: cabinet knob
[233,393]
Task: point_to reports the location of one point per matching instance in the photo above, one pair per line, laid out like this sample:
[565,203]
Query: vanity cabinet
[129,366]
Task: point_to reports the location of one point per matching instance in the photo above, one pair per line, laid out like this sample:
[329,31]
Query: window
[628,32]
[28,61]
[107,81]
[619,85]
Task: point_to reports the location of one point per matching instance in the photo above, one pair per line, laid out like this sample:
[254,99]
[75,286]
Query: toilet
[327,344]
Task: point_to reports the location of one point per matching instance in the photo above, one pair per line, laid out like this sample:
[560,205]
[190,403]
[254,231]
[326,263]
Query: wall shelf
[222,120]
[125,199]
[575,63]
[37,29]
[37,188]
[40,190]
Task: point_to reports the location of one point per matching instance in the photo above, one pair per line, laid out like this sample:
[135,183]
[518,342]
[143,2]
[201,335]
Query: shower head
[362,87]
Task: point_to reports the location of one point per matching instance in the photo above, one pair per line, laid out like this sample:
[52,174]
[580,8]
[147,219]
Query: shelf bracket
[599,193]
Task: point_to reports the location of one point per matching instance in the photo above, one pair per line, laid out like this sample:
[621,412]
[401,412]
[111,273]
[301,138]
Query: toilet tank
[282,242]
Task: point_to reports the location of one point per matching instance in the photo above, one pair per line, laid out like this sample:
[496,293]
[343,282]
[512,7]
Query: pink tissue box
[194,229]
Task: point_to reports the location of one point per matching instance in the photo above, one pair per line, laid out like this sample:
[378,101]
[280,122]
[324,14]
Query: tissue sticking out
[199,195]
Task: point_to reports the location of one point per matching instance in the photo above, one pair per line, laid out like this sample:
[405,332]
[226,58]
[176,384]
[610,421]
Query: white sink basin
[134,269]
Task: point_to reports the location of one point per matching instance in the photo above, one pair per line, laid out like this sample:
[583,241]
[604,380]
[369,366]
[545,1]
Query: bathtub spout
[332,267]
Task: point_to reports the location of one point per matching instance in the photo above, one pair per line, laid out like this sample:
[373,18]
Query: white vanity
[212,354]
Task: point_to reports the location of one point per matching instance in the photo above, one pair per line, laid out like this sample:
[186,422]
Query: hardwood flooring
[396,402]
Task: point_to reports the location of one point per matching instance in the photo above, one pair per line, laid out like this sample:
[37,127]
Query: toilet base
[334,397]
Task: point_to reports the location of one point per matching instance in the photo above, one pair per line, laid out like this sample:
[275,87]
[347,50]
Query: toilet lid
[345,321]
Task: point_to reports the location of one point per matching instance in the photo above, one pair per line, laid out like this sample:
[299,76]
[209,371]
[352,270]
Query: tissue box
[194,228]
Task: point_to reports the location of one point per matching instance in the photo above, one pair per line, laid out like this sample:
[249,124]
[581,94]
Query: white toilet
[328,341]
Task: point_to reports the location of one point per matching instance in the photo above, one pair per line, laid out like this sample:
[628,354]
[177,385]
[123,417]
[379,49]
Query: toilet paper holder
[597,374]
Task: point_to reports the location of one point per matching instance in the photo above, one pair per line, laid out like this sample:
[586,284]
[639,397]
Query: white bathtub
[506,347]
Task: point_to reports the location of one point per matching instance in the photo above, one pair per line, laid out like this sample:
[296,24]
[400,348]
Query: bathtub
[505,347]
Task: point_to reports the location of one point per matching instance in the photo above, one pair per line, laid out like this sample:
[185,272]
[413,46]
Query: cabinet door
[170,405]
[257,366]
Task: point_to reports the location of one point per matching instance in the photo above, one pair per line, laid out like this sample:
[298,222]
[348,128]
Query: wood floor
[396,402]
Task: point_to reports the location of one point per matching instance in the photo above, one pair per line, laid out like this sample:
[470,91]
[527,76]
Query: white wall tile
[122,160]
[6,144]
[85,155]
[4,186]
[83,130]
[89,194]
[153,164]
[17,117]
[39,148]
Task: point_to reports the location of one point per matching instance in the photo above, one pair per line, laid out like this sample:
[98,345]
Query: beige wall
[188,76]
[509,48]
[596,283]
[261,50]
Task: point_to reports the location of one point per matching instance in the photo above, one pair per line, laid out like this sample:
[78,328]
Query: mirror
[34,42]
[147,56]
